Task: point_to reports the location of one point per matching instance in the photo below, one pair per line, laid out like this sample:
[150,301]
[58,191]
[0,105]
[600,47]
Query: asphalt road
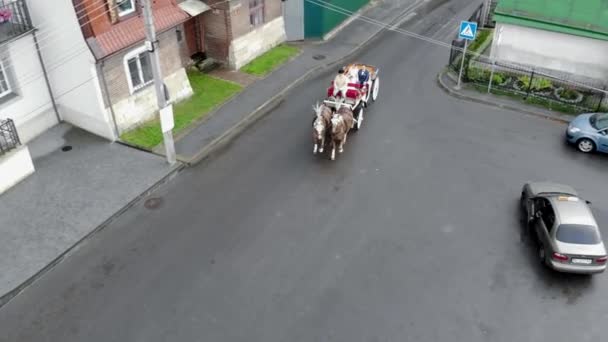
[410,235]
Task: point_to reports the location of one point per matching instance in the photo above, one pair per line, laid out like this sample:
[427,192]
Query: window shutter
[113,10]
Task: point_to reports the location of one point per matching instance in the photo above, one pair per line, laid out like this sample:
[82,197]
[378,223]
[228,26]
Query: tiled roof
[131,31]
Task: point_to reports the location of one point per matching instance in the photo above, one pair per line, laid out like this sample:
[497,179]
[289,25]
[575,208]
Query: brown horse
[321,125]
[341,123]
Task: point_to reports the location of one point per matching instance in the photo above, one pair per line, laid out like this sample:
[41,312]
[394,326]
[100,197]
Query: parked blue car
[589,132]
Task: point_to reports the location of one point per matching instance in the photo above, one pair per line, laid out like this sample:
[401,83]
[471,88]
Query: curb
[458,95]
[6,298]
[228,136]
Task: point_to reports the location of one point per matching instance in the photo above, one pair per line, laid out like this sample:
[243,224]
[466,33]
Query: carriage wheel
[359,118]
[375,89]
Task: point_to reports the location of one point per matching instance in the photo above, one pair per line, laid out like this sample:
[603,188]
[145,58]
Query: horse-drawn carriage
[363,85]
[342,110]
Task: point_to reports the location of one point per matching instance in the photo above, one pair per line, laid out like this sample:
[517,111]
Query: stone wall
[142,106]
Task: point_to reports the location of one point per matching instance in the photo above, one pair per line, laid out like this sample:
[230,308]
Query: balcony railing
[14,19]
[9,139]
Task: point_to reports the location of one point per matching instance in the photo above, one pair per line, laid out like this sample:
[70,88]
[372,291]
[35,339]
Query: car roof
[572,210]
[550,187]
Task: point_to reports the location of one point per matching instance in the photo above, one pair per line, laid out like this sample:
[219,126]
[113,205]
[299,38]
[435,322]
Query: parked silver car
[569,239]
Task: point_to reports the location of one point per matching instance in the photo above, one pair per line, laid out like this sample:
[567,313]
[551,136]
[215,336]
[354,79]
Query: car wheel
[585,145]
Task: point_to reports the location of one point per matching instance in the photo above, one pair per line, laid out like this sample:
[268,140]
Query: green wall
[319,20]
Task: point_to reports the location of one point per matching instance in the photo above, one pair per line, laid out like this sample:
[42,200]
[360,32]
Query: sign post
[467,31]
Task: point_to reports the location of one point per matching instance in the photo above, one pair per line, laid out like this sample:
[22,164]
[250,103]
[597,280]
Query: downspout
[107,96]
[46,77]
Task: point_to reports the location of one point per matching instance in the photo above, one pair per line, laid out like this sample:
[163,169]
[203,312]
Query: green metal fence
[322,16]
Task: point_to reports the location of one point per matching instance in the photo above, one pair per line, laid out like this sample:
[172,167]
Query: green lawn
[209,92]
[270,60]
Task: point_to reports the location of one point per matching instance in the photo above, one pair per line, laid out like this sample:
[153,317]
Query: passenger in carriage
[363,76]
[340,83]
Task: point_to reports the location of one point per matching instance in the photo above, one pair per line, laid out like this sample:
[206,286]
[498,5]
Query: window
[548,216]
[125,7]
[5,86]
[256,12]
[578,234]
[139,69]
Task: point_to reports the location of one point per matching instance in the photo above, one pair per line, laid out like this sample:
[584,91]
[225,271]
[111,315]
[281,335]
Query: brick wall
[217,32]
[228,21]
[171,60]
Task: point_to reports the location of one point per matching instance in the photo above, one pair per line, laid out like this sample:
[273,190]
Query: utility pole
[166,109]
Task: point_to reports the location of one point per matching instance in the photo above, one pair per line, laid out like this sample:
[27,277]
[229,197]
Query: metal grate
[9,139]
[14,19]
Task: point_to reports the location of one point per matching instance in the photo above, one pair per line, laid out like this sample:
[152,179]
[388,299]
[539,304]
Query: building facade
[26,103]
[561,36]
[238,31]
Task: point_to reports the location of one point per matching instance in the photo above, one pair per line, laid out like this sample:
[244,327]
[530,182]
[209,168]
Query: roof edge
[549,26]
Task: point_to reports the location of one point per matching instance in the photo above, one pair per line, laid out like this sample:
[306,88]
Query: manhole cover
[318,57]
[153,203]
[66,148]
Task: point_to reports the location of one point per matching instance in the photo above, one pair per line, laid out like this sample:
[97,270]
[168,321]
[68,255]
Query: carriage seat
[351,92]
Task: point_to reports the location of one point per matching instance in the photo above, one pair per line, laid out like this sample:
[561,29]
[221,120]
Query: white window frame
[127,12]
[9,89]
[138,51]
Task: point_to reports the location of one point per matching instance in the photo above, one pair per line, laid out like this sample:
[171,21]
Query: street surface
[412,233]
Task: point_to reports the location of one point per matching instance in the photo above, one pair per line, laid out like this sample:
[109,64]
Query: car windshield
[577,234]
[599,121]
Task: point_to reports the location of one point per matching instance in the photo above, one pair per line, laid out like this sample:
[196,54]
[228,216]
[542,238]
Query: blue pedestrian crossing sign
[468,30]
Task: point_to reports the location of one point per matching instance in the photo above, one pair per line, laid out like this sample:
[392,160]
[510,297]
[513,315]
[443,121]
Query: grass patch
[482,36]
[270,60]
[209,92]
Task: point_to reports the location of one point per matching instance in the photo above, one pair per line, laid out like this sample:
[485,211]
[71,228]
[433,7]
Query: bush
[569,94]
[498,78]
[538,83]
[478,75]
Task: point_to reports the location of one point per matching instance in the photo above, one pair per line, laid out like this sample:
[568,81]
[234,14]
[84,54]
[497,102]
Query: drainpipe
[46,77]
[105,90]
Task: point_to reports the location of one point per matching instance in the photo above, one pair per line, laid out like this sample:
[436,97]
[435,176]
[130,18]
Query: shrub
[569,94]
[538,83]
[498,78]
[478,75]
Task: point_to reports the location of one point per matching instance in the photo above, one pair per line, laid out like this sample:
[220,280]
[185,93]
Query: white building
[560,36]
[25,96]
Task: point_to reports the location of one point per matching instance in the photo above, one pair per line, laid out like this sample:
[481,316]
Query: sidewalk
[448,81]
[70,195]
[264,94]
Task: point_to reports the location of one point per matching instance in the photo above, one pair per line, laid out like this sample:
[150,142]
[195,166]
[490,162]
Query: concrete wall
[255,43]
[30,104]
[15,166]
[141,106]
[131,109]
[564,53]
[71,67]
[229,36]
